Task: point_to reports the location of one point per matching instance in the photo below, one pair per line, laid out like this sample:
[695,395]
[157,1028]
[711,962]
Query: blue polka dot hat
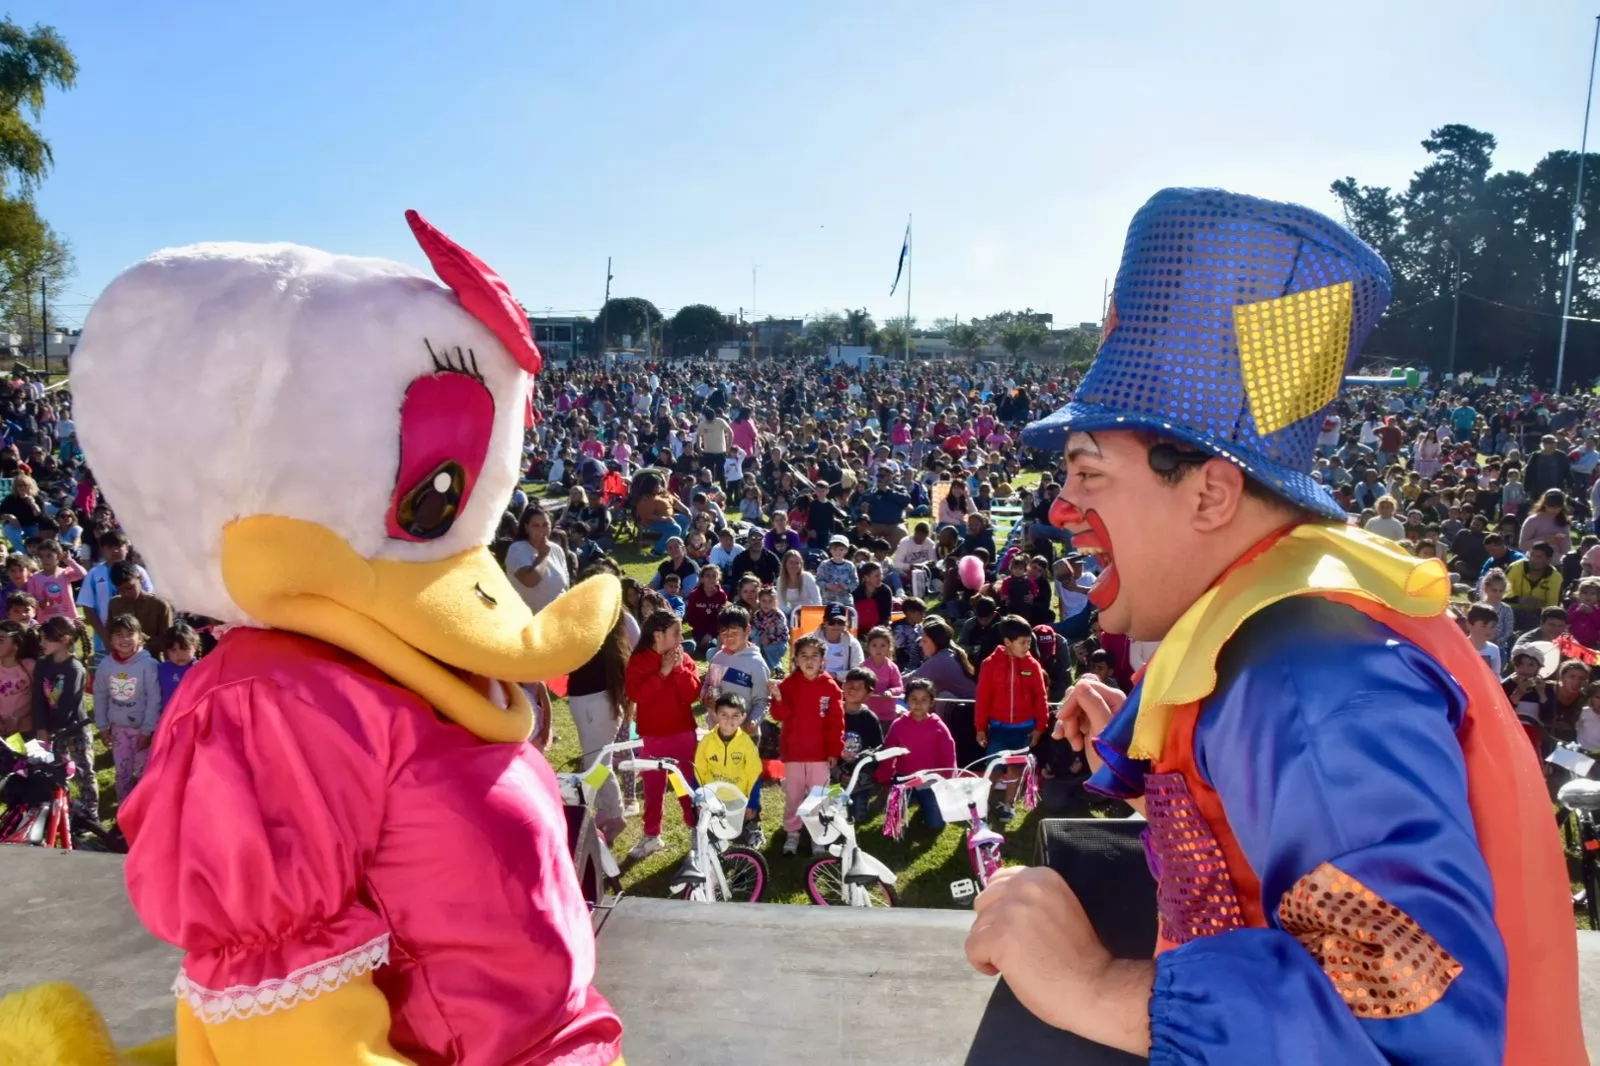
[1233,322]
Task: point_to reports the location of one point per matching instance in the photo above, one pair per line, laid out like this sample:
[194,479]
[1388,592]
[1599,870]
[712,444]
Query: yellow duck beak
[447,630]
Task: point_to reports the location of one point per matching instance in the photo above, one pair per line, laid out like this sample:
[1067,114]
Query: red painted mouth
[1096,541]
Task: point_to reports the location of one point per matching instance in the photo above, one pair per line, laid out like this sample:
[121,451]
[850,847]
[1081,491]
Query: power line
[1528,310]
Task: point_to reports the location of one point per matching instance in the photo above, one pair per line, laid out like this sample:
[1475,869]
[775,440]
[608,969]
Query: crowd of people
[817,526]
[87,647]
[825,574]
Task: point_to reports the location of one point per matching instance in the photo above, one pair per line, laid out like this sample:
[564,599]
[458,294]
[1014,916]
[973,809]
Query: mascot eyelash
[458,362]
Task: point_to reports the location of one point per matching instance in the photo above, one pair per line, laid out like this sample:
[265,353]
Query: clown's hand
[1089,707]
[1031,930]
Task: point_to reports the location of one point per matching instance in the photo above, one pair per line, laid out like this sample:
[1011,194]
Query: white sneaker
[631,809]
[645,848]
[791,844]
[818,849]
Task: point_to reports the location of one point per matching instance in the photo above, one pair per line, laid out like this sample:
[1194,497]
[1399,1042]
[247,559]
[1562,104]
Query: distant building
[562,338]
[772,331]
[35,344]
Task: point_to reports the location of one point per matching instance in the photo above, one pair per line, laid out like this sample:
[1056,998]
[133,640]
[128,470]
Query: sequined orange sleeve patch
[1380,960]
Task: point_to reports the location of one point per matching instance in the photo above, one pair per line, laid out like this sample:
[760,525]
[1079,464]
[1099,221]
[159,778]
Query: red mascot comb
[481,291]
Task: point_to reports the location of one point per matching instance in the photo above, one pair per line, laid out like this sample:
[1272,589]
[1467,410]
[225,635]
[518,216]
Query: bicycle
[33,786]
[713,871]
[846,876]
[581,788]
[961,798]
[1581,798]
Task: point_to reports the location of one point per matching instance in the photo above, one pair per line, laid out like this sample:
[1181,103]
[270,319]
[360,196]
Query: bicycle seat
[690,870]
[987,836]
[1580,794]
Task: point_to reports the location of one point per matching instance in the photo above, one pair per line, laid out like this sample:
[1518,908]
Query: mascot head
[325,444]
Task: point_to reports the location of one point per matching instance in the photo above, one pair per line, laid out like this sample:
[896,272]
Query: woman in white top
[538,567]
[955,507]
[796,587]
[1425,460]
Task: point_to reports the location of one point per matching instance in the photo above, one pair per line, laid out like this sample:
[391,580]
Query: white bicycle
[581,788]
[713,871]
[846,876]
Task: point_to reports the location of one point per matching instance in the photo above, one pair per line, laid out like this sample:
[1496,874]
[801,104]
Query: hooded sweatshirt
[928,744]
[1011,691]
[664,705]
[743,673]
[812,713]
[128,693]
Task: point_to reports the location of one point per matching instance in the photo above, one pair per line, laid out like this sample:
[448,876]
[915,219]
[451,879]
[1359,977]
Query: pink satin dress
[304,820]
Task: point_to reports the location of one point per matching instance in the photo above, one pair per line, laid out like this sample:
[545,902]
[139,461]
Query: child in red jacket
[663,684]
[810,705]
[1013,709]
[702,607]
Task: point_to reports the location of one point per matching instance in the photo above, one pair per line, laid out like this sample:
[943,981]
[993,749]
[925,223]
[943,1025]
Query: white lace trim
[306,983]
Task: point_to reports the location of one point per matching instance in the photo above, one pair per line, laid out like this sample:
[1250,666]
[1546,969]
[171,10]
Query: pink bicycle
[962,795]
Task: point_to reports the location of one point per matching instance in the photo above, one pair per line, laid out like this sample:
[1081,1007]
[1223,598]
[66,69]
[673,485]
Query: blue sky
[692,140]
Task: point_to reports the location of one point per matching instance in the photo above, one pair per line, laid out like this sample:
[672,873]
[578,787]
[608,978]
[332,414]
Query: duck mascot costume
[342,824]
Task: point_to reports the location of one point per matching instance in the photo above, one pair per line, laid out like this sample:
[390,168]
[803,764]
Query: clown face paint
[1118,510]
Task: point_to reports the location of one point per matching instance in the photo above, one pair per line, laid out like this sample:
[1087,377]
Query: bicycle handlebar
[674,774]
[868,758]
[1015,757]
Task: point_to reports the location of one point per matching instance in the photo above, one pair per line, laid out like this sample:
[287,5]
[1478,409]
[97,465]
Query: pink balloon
[970,568]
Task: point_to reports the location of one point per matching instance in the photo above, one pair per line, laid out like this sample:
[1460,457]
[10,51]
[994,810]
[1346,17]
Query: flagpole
[1577,206]
[911,254]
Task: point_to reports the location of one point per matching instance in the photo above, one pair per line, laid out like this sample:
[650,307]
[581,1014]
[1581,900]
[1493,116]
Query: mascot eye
[429,510]
[446,421]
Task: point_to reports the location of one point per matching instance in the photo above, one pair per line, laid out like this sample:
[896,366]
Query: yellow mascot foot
[57,1025]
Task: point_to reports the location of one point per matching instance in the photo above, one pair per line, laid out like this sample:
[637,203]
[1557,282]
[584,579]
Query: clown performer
[342,823]
[1355,852]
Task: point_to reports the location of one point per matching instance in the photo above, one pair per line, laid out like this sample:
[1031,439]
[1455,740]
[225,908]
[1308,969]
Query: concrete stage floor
[809,985]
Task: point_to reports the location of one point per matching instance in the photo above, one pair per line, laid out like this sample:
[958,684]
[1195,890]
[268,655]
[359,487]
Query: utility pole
[44,326]
[1455,305]
[603,304]
[1577,210]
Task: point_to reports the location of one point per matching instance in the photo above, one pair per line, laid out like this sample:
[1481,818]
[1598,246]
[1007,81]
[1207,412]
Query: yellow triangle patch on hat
[1292,353]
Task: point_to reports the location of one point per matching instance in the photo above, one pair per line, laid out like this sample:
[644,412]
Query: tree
[1078,346]
[30,62]
[31,255]
[829,327]
[628,316]
[968,338]
[809,346]
[1021,335]
[944,325]
[891,339]
[696,327]
[859,327]
[1503,238]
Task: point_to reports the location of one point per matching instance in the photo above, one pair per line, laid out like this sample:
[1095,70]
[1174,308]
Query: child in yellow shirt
[727,753]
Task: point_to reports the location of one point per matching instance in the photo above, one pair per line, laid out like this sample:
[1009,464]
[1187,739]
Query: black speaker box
[1102,859]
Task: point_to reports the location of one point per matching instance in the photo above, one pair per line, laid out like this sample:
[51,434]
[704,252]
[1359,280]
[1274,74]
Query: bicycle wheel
[746,872]
[986,862]
[826,886]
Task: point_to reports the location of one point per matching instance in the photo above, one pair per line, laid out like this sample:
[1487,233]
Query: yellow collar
[1310,559]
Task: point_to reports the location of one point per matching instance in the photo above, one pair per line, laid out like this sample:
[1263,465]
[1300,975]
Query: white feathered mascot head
[325,444]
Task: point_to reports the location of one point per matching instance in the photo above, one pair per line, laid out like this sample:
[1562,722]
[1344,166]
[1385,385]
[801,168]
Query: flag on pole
[905,250]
